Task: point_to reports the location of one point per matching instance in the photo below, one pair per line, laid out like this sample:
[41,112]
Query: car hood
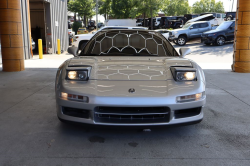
[128,68]
[215,31]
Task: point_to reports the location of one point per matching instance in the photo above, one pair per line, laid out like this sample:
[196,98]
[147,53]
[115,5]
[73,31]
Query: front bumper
[172,38]
[208,39]
[175,113]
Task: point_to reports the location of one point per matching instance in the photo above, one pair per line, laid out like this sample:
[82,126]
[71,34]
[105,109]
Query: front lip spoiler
[100,126]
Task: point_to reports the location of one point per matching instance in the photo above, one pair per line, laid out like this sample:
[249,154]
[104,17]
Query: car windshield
[128,43]
[186,26]
[224,25]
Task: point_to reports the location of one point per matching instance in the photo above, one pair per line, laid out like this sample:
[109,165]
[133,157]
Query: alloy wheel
[220,41]
[181,41]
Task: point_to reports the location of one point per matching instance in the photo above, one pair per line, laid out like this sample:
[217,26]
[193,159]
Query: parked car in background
[224,32]
[124,78]
[230,16]
[81,40]
[91,24]
[188,17]
[100,24]
[218,18]
[71,32]
[178,23]
[164,32]
[157,22]
[82,31]
[189,31]
[165,21]
[139,22]
[120,22]
[71,35]
[149,23]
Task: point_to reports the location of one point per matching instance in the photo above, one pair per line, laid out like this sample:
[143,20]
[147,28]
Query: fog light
[188,98]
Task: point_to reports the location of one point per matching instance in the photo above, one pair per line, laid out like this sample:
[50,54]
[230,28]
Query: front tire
[220,41]
[182,40]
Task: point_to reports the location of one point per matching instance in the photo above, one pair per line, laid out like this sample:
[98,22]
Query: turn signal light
[80,98]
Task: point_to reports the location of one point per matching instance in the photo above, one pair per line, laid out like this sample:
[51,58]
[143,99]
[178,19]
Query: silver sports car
[130,78]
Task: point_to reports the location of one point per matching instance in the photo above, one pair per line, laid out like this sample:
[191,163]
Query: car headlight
[81,75]
[183,74]
[175,33]
[187,98]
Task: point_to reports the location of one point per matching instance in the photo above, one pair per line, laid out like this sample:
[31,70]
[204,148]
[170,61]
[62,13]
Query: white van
[120,22]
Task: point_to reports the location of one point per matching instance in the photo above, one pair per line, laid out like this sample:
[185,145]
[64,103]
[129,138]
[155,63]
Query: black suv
[230,16]
[224,32]
[176,23]
[165,21]
[91,24]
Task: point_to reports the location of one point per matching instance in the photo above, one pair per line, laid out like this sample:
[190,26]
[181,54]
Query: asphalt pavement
[31,134]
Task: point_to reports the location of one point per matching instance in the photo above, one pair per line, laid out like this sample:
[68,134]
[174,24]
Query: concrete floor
[31,134]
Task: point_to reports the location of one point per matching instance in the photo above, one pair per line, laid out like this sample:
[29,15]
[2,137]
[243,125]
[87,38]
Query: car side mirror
[184,51]
[73,51]
[191,28]
[231,28]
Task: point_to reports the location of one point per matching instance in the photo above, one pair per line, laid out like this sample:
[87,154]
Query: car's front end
[116,89]
[209,38]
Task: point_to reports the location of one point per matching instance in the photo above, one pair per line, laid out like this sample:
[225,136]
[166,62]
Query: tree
[203,6]
[146,8]
[122,8]
[84,8]
[105,8]
[176,7]
[73,7]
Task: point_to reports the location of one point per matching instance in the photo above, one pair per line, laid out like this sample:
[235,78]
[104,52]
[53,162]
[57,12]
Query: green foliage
[203,6]
[105,8]
[176,7]
[146,7]
[82,7]
[122,8]
[76,25]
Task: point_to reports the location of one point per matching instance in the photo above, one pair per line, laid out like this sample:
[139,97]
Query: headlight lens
[185,76]
[183,73]
[175,32]
[81,75]
[187,98]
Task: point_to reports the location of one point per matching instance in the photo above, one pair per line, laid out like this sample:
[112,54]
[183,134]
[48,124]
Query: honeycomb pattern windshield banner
[135,43]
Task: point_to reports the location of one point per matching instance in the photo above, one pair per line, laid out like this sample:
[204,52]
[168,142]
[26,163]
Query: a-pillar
[242,42]
[11,35]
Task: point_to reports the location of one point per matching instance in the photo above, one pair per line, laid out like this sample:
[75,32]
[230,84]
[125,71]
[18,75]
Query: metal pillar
[241,62]
[11,35]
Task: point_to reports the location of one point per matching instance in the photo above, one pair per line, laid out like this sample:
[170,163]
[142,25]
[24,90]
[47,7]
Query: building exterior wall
[56,26]
[59,24]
